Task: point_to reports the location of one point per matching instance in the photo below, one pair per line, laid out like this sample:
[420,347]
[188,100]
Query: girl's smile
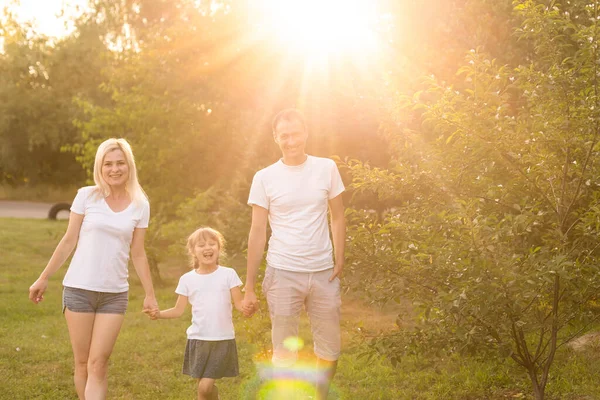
[207,253]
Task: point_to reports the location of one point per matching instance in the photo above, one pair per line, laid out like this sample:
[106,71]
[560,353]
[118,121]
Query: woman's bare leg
[104,336]
[80,327]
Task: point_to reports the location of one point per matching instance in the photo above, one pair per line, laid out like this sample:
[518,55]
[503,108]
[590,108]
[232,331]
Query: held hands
[154,315]
[150,307]
[249,304]
[36,291]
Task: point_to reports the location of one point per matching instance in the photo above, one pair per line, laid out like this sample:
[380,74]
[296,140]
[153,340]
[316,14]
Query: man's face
[291,137]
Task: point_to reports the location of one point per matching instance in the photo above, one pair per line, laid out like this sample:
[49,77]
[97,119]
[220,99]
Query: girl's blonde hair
[132,186]
[205,233]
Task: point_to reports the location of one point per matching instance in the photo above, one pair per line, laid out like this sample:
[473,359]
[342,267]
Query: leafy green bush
[495,238]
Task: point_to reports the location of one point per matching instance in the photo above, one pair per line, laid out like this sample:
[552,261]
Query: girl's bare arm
[174,312]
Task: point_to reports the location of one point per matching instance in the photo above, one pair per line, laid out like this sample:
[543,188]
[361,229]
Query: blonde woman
[108,221]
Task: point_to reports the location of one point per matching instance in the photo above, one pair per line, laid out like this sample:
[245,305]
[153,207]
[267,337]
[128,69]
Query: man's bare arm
[257,240]
[338,232]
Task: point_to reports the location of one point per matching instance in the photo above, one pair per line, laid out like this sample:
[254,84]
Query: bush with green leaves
[496,229]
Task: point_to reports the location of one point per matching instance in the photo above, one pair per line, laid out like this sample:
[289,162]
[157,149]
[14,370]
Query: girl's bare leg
[207,389]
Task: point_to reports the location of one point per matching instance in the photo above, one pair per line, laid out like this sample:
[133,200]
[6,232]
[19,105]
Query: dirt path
[27,209]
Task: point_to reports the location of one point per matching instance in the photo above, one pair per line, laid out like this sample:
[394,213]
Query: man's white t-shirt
[210,297]
[297,200]
[102,253]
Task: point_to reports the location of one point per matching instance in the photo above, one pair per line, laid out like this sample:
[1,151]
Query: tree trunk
[538,389]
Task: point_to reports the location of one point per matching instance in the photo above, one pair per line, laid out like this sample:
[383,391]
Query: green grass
[39,192]
[36,359]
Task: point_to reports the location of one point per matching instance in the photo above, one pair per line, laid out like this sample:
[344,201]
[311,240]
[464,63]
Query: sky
[44,13]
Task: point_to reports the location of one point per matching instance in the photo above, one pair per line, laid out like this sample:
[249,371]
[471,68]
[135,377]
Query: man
[293,195]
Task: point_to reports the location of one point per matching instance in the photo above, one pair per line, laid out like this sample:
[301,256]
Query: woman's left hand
[150,305]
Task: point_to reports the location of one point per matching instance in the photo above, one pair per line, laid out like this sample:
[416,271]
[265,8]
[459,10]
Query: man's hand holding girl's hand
[249,309]
[249,304]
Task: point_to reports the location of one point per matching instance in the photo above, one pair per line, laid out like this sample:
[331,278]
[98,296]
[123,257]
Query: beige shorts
[287,292]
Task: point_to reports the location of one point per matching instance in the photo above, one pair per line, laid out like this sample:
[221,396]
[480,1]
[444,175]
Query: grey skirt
[210,359]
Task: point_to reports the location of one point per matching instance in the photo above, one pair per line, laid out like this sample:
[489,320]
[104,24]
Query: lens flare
[286,389]
[293,343]
[296,381]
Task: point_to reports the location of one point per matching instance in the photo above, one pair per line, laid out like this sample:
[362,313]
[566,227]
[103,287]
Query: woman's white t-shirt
[102,254]
[210,297]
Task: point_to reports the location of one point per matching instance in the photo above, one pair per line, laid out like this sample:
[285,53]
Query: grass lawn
[36,359]
[38,192]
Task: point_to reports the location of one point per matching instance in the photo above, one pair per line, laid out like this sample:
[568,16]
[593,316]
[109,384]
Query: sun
[322,27]
[319,53]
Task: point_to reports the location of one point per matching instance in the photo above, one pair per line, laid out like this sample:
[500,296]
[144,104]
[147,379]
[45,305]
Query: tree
[38,80]
[495,236]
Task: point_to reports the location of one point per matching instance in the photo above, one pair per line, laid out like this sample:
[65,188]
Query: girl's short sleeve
[182,288]
[234,279]
[145,217]
[78,205]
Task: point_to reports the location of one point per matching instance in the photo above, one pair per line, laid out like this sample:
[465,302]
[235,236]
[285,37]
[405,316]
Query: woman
[107,222]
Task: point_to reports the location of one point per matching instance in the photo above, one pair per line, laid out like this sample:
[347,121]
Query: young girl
[210,353]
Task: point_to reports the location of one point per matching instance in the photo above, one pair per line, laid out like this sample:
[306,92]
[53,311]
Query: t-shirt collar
[295,167]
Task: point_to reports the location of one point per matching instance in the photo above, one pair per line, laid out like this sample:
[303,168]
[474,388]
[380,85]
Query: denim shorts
[88,301]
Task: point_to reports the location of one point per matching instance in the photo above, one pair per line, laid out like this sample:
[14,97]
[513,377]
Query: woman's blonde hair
[132,186]
[204,233]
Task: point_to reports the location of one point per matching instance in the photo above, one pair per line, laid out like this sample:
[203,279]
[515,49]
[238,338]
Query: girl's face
[115,169]
[206,251]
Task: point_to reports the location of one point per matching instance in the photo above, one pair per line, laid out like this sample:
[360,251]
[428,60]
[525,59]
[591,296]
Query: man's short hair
[289,114]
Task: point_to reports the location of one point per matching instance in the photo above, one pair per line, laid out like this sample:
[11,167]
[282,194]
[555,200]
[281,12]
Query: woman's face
[115,169]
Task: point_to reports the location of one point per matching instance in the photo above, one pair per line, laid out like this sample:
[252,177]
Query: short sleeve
[145,217]
[234,279]
[78,205]
[258,194]
[336,185]
[182,288]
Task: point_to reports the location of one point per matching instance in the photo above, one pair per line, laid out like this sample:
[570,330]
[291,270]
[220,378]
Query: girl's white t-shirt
[297,198]
[210,297]
[102,254]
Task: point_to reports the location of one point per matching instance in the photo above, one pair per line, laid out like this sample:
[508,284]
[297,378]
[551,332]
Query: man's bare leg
[327,368]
